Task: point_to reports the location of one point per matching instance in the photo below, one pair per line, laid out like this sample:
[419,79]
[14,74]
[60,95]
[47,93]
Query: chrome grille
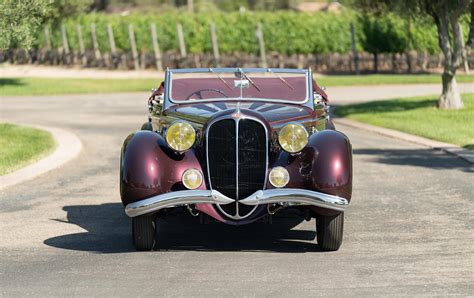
[237,161]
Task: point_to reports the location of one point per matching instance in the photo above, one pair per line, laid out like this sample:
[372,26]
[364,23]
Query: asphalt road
[408,231]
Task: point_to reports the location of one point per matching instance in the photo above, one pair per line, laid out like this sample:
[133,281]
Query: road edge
[465,154]
[68,147]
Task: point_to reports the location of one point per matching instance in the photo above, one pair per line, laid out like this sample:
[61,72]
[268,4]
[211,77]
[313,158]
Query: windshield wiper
[281,79]
[220,78]
[250,80]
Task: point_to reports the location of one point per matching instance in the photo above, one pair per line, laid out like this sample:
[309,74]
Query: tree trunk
[450,97]
[376,62]
[452,51]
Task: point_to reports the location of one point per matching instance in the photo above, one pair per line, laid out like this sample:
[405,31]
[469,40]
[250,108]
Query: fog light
[279,177]
[192,178]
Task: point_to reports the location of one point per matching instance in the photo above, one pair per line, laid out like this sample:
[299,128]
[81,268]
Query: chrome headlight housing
[180,136]
[293,137]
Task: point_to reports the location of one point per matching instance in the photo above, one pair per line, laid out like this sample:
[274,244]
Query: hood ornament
[237,113]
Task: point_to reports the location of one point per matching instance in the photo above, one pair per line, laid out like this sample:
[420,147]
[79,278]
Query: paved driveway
[409,229]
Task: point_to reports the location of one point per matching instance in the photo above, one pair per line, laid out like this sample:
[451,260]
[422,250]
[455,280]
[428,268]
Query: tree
[19,20]
[446,15]
[383,34]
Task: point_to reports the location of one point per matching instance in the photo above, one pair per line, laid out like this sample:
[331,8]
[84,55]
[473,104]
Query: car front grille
[237,161]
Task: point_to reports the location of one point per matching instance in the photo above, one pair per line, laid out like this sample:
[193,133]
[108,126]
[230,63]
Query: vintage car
[237,145]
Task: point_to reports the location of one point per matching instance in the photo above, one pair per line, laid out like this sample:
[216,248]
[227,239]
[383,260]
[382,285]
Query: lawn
[51,86]
[381,79]
[20,146]
[418,116]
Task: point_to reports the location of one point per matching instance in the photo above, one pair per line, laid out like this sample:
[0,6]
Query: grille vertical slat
[222,159]
[225,163]
[252,160]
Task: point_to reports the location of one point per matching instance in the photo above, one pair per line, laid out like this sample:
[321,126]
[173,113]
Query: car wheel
[143,232]
[329,230]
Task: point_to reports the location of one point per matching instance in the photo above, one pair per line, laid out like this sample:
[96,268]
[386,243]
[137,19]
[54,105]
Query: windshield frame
[169,81]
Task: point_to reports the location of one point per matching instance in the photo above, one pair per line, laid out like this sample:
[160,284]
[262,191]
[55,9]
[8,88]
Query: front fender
[332,167]
[324,165]
[149,167]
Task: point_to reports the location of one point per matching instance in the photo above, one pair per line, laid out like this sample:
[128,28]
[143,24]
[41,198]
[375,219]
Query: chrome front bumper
[290,196]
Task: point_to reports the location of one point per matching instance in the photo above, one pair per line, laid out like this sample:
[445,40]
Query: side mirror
[319,102]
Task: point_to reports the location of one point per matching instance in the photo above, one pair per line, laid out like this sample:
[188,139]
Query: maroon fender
[332,166]
[149,167]
[324,165]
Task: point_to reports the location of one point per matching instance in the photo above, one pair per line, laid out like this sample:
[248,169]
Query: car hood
[274,113]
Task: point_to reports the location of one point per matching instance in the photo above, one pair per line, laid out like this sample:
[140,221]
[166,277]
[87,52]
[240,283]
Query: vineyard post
[110,33]
[113,48]
[215,44]
[65,44]
[156,47]
[98,56]
[355,55]
[82,49]
[261,43]
[182,44]
[131,37]
[47,38]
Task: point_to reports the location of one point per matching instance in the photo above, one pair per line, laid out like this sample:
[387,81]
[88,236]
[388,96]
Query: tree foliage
[447,15]
[19,20]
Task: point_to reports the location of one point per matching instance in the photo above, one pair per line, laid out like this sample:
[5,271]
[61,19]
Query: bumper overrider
[290,196]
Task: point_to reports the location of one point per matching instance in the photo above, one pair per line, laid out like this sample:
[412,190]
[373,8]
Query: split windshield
[240,84]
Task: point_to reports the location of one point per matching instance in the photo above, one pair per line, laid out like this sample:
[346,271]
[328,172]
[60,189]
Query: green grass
[20,146]
[51,86]
[381,79]
[418,116]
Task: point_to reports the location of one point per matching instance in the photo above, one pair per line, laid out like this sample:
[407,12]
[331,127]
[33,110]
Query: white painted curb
[68,147]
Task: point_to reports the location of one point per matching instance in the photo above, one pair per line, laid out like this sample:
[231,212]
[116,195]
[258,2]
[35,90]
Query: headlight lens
[293,138]
[180,136]
[192,178]
[279,177]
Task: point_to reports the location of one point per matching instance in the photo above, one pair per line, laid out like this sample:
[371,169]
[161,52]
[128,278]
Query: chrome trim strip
[234,69]
[295,196]
[169,81]
[237,216]
[237,120]
[291,196]
[175,198]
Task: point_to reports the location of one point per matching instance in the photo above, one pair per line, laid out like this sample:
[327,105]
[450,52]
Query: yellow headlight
[180,136]
[293,138]
[279,177]
[192,178]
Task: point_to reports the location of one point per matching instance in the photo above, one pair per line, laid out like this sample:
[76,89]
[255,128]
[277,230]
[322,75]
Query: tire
[329,231]
[143,232]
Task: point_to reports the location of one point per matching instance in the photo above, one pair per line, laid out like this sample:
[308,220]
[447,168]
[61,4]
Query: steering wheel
[198,93]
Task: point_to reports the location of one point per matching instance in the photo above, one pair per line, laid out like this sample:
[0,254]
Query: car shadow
[427,158]
[108,230]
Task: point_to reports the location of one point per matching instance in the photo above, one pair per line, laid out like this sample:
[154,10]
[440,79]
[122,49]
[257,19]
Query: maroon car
[237,145]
